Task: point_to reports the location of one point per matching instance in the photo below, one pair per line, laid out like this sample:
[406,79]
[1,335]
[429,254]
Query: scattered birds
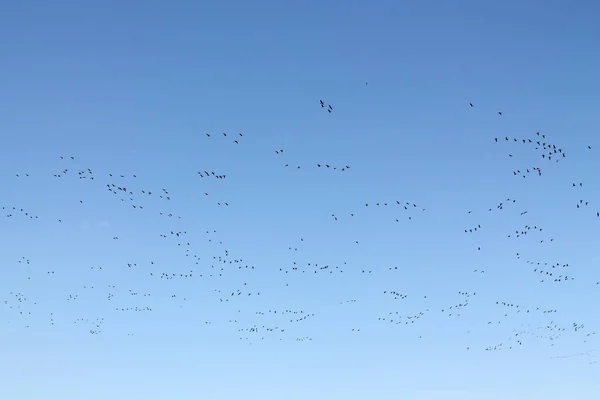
[209,258]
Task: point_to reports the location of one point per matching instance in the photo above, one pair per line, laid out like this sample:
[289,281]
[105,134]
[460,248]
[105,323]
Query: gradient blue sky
[132,88]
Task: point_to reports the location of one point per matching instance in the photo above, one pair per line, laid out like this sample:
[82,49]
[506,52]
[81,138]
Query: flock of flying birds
[20,307]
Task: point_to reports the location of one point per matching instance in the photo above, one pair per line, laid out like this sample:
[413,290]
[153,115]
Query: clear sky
[293,288]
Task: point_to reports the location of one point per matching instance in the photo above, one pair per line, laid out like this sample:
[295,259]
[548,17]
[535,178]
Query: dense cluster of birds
[233,273]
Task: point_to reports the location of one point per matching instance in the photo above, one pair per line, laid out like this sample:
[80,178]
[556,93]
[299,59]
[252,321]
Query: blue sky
[132,89]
